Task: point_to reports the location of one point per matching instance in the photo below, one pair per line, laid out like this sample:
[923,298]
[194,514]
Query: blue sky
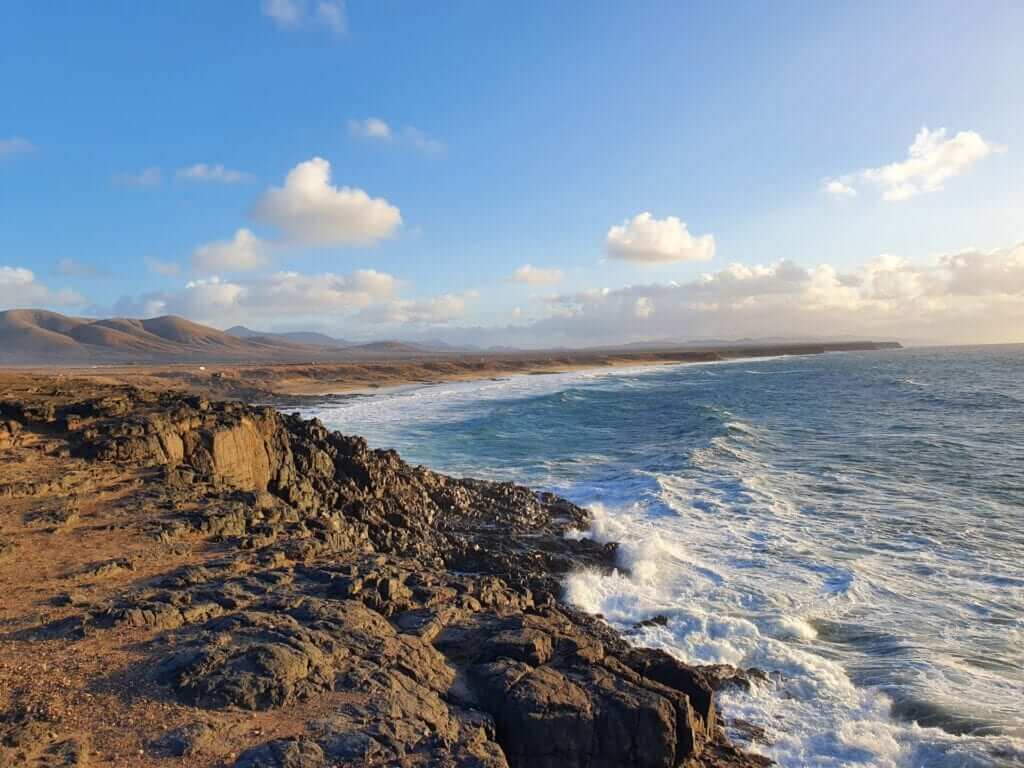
[520,133]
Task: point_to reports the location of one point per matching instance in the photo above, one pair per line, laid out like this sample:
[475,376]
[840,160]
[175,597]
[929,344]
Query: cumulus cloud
[531,275]
[148,177]
[931,160]
[289,14]
[376,129]
[241,253]
[292,292]
[19,288]
[436,310]
[15,146]
[364,298]
[212,173]
[647,240]
[310,211]
[965,296]
[839,188]
[977,273]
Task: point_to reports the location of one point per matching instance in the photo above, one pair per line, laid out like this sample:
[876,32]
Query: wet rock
[748,730]
[719,676]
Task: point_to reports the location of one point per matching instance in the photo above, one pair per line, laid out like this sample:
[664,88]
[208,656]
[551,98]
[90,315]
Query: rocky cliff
[371,612]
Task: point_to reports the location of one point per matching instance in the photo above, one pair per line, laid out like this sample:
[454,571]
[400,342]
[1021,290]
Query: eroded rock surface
[418,614]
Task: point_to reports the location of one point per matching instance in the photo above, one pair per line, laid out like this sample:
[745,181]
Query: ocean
[850,523]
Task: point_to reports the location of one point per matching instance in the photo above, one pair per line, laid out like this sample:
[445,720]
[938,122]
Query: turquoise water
[850,523]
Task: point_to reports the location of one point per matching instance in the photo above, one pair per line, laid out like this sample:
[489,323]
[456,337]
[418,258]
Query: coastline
[266,382]
[225,583]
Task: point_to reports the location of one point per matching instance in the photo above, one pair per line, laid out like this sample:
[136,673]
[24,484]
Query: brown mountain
[30,336]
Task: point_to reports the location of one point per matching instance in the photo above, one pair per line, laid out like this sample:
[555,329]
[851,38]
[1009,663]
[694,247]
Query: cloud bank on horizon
[505,223]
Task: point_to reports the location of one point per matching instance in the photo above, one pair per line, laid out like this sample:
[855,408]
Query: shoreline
[268,382]
[304,401]
[244,587]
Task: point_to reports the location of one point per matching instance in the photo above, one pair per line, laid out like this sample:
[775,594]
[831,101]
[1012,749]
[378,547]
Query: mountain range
[35,336]
[41,337]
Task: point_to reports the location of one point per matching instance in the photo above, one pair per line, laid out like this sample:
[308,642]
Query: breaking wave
[852,528]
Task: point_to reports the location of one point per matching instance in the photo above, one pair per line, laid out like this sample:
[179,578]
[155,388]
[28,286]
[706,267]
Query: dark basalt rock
[426,607]
[189,740]
[284,753]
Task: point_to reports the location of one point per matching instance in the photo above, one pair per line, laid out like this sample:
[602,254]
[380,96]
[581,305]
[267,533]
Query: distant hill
[386,349]
[39,337]
[389,347]
[297,337]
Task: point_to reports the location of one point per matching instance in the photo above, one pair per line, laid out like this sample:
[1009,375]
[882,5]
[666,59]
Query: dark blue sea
[851,523]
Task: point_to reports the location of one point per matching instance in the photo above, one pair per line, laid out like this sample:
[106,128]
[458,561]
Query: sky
[528,174]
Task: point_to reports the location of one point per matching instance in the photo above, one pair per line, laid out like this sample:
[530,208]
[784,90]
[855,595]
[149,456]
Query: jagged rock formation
[418,613]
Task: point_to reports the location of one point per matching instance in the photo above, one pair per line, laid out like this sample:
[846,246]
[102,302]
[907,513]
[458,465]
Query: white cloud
[163,268]
[151,305]
[290,14]
[979,273]
[19,288]
[931,160]
[242,252]
[437,310]
[365,298]
[208,294]
[969,296]
[531,275]
[310,211]
[15,146]
[292,292]
[645,239]
[213,173]
[378,130]
[370,128]
[840,188]
[148,177]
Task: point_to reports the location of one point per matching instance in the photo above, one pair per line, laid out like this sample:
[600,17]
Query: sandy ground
[262,382]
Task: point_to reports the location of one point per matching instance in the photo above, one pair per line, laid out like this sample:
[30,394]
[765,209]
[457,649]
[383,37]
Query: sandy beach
[263,381]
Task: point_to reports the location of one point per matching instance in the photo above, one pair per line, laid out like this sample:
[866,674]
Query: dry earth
[210,584]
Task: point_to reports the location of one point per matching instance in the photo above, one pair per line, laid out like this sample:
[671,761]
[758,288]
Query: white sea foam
[811,712]
[747,572]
